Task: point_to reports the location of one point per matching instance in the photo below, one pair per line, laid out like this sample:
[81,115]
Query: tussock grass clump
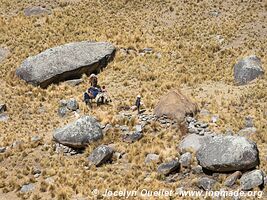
[187,55]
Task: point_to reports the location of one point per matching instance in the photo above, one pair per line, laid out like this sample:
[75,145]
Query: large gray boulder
[228,153]
[247,70]
[79,133]
[251,179]
[65,62]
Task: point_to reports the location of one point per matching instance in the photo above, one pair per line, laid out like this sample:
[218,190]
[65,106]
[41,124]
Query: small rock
[197,170]
[147,50]
[251,179]
[215,13]
[36,138]
[151,157]
[74,82]
[100,155]
[185,159]
[124,128]
[27,188]
[158,55]
[49,180]
[107,127]
[130,138]
[4,117]
[204,112]
[248,69]
[193,130]
[230,180]
[36,170]
[206,183]
[62,111]
[138,128]
[36,10]
[72,104]
[248,121]
[203,125]
[247,132]
[214,118]
[169,167]
[3,108]
[2,149]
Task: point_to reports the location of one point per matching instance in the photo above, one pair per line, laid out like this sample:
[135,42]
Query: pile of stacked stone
[197,127]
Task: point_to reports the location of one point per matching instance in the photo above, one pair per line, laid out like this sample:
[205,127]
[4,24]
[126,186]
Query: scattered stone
[230,180]
[36,170]
[248,69]
[130,138]
[79,133]
[60,148]
[74,82]
[204,112]
[185,159]
[36,138]
[62,111]
[107,128]
[79,58]
[2,149]
[138,128]
[249,121]
[175,105]
[146,50]
[215,13]
[214,118]
[151,157]
[36,10]
[192,142]
[72,104]
[2,108]
[197,169]
[124,128]
[27,188]
[50,180]
[228,153]
[100,155]
[247,132]
[206,183]
[251,179]
[4,117]
[169,167]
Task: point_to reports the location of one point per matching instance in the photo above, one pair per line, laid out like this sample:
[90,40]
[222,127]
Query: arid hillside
[161,46]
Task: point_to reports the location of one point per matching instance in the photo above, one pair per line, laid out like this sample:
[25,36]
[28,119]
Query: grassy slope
[183,32]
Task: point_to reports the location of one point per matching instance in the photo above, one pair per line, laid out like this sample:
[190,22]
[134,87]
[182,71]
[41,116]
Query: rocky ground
[209,135]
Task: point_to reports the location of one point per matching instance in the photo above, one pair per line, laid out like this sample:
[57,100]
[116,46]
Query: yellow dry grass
[183,32]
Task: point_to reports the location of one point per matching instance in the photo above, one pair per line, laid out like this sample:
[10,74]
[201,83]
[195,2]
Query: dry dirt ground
[196,44]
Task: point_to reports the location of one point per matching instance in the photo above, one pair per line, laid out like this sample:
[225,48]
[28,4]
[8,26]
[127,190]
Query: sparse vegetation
[182,32]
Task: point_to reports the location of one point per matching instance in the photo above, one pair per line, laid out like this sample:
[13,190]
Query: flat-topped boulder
[65,62]
[79,133]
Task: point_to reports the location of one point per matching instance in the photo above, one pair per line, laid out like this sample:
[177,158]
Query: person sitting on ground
[94,89]
[96,92]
